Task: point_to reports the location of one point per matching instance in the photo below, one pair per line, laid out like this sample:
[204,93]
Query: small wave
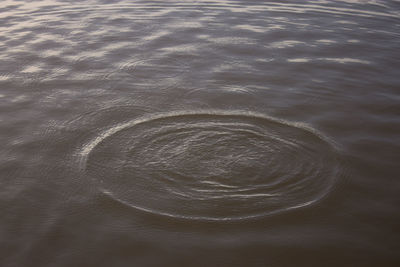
[161,9]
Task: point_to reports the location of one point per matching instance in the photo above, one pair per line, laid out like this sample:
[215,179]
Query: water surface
[199,133]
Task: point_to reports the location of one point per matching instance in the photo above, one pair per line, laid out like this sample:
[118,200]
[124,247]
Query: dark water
[199,133]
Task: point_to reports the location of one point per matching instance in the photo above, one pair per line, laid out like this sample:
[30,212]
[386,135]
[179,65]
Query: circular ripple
[157,72]
[211,165]
[155,68]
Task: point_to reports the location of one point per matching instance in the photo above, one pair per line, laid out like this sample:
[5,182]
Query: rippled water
[199,133]
[249,164]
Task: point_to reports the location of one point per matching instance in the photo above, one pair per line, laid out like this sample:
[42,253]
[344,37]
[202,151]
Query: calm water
[199,133]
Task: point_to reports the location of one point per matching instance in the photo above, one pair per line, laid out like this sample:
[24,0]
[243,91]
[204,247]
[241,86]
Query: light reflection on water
[199,123]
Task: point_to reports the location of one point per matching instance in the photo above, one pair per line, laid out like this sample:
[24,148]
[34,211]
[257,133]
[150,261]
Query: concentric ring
[211,165]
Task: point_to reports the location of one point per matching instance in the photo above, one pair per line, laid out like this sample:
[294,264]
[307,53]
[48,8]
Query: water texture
[250,164]
[199,133]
